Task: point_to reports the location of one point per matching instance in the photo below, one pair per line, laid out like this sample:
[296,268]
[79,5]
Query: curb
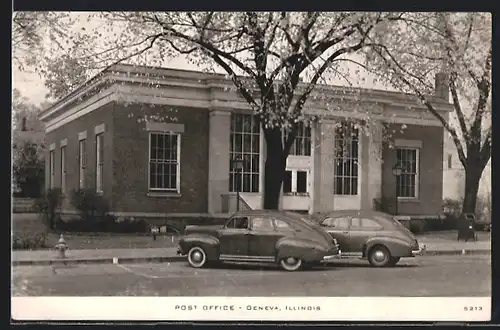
[457,252]
[136,260]
[94,261]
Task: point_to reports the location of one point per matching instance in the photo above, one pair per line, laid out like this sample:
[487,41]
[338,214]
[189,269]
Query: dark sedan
[284,238]
[371,235]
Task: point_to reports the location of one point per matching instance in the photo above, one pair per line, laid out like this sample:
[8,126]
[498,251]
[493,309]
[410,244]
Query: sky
[31,85]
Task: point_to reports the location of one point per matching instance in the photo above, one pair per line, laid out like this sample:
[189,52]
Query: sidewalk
[95,256]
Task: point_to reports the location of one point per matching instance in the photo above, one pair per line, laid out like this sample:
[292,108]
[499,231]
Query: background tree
[457,48]
[28,148]
[265,55]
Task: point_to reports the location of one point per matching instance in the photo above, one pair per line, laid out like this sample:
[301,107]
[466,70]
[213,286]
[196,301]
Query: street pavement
[421,276]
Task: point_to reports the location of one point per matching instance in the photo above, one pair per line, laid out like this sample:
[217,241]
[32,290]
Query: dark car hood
[197,229]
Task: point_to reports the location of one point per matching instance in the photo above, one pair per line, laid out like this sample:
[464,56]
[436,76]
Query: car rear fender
[396,246]
[305,249]
[208,243]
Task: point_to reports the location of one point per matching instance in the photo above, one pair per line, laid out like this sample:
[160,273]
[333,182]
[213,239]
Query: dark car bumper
[419,251]
[333,254]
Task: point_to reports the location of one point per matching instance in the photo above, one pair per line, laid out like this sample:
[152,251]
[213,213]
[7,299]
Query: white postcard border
[357,309]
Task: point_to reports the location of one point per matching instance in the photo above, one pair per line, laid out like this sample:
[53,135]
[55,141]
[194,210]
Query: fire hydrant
[61,247]
[155,230]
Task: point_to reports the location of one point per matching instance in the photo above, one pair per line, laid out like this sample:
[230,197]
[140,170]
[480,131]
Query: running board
[238,258]
[351,255]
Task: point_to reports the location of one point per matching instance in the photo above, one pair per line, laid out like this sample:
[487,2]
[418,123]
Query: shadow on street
[330,266]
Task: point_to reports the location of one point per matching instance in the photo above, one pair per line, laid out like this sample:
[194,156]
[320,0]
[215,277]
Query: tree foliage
[459,47]
[32,31]
[28,163]
[265,54]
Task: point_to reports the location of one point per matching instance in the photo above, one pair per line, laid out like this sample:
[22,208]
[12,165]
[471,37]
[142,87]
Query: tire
[394,261]
[291,264]
[197,257]
[379,256]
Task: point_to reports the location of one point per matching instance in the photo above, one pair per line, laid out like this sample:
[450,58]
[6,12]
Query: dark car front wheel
[379,256]
[291,264]
[197,257]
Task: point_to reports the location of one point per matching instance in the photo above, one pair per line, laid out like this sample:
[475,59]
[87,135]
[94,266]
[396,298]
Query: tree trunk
[472,178]
[274,171]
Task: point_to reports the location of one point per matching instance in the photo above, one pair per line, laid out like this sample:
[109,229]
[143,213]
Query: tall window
[52,166]
[346,159]
[82,162]
[407,182]
[63,169]
[302,144]
[450,164]
[245,144]
[99,159]
[164,162]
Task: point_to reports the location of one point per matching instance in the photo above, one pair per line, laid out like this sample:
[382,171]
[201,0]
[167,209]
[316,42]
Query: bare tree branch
[457,105]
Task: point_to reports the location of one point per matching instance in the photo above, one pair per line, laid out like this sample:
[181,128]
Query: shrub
[452,207]
[483,208]
[28,169]
[180,224]
[104,224]
[29,240]
[47,205]
[90,205]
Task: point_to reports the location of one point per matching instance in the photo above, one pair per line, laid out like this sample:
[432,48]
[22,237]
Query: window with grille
[63,169]
[99,146]
[302,144]
[82,161]
[164,162]
[245,145]
[407,182]
[346,159]
[52,166]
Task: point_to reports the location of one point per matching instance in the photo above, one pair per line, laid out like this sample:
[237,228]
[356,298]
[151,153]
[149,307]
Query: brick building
[181,164]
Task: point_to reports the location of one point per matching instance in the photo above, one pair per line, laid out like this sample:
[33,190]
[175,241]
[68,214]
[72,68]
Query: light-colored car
[371,235]
[284,238]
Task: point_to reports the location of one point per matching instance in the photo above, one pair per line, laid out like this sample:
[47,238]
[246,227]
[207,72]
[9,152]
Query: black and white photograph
[243,166]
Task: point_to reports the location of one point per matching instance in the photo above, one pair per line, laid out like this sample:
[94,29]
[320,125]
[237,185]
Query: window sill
[167,194]
[234,193]
[408,200]
[296,194]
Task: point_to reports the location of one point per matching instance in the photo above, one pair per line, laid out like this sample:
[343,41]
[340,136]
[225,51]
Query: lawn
[23,223]
[103,241]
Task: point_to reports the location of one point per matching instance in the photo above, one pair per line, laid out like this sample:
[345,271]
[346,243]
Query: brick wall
[430,169]
[130,160]
[70,132]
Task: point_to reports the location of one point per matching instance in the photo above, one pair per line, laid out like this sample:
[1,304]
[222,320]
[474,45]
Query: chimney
[441,87]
